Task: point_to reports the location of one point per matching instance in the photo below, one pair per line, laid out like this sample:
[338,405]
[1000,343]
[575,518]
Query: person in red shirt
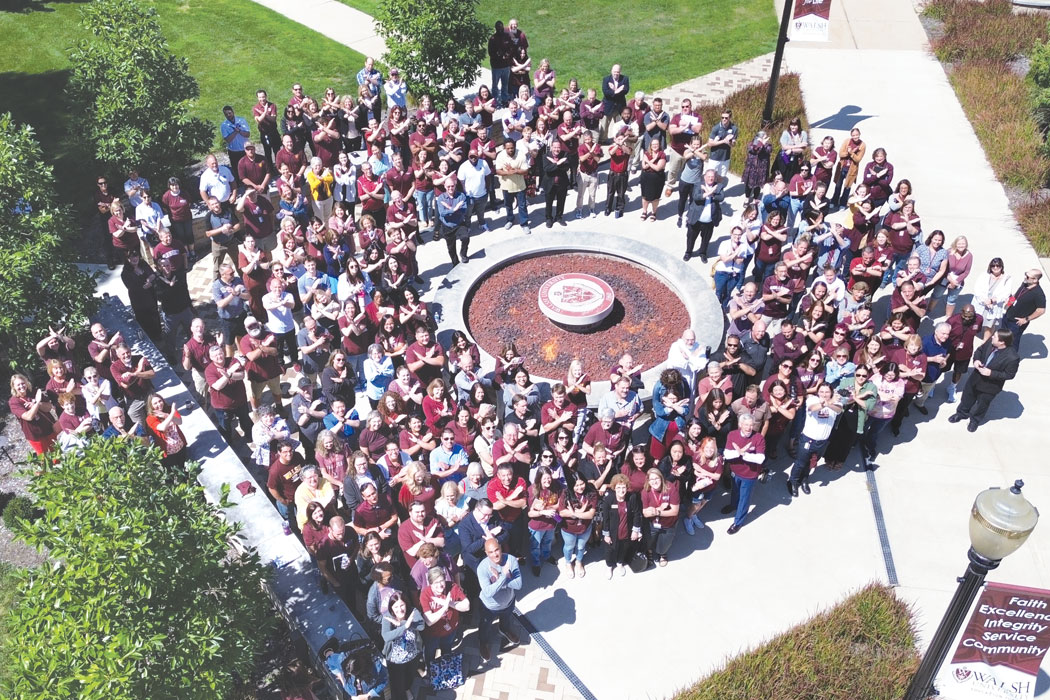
[588,155]
[34,412]
[912,362]
[546,501]
[425,357]
[660,503]
[133,375]
[509,499]
[965,326]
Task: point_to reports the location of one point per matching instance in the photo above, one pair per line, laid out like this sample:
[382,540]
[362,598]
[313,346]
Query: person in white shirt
[474,175]
[395,89]
[821,412]
[150,218]
[687,356]
[733,253]
[217,181]
[134,186]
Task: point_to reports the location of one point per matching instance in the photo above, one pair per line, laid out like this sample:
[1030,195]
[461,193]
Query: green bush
[862,649]
[18,508]
[1039,80]
[1034,218]
[985,31]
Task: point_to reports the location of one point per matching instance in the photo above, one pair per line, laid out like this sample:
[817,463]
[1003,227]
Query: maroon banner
[1009,626]
[820,8]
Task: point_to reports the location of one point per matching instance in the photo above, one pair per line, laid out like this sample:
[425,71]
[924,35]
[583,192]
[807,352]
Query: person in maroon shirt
[171,250]
[226,392]
[777,292]
[745,454]
[265,114]
[195,357]
[425,358]
[177,207]
[509,497]
[101,348]
[103,199]
[545,500]
[621,524]
[418,530]
[284,477]
[400,178]
[371,194]
[513,450]
[34,412]
[609,433]
[619,158]
[252,170]
[912,362]
[906,300]
[133,375]
[376,513]
[866,269]
[256,213]
[965,326]
[263,366]
[294,158]
[660,504]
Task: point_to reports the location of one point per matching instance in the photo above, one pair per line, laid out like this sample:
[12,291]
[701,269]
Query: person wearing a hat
[396,90]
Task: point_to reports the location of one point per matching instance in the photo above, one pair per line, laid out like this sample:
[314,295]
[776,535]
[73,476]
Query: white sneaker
[507,226]
[622,569]
[688,525]
[594,215]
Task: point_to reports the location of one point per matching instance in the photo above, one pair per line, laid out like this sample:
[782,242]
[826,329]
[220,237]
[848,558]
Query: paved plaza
[721,595]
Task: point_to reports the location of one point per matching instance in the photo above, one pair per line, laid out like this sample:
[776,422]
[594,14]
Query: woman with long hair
[889,387]
[635,468]
[859,396]
[402,632]
[706,475]
[578,510]
[545,504]
[164,420]
[34,412]
[715,417]
[670,407]
[660,509]
[991,294]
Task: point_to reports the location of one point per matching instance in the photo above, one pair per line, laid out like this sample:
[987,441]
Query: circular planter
[454,293]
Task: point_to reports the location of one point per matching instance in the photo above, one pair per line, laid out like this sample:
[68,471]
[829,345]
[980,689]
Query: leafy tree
[39,283]
[142,598]
[135,93]
[437,44]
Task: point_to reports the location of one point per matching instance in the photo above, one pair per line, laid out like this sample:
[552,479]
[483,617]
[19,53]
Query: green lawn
[657,46]
[233,47]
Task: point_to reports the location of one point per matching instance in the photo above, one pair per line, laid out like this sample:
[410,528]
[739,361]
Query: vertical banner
[1001,647]
[810,20]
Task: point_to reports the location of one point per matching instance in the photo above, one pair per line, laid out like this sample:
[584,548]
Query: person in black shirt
[1028,303]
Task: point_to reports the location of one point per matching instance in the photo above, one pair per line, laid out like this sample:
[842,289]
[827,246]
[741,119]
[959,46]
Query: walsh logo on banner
[810,20]
[1001,648]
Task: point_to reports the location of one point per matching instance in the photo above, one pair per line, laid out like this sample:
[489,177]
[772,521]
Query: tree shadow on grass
[26,6]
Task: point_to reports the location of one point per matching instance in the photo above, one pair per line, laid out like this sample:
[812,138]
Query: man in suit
[994,362]
[704,214]
[615,88]
[555,183]
[480,524]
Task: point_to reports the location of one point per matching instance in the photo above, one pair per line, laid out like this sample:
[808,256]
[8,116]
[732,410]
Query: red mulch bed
[647,317]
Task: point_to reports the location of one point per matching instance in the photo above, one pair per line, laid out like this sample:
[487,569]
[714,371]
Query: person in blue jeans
[732,254]
[545,497]
[821,412]
[744,454]
[500,580]
[577,524]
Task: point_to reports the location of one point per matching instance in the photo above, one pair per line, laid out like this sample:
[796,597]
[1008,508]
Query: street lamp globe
[1000,521]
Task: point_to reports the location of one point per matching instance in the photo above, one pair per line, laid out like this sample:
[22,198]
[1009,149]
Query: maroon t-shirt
[295,161]
[39,428]
[357,343]
[400,180]
[612,439]
[134,387]
[911,362]
[176,253]
[178,206]
[198,352]
[285,478]
[589,166]
[231,396]
[427,372]
[408,536]
[654,499]
[258,217]
[740,466]
[369,516]
[549,499]
[911,319]
[94,348]
[618,159]
[254,170]
[636,478]
[774,308]
[266,367]
[576,526]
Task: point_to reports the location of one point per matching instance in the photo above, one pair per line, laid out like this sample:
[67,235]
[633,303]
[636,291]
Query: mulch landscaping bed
[646,318]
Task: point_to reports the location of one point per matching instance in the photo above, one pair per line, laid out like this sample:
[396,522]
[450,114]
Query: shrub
[997,102]
[747,105]
[1039,79]
[1034,217]
[862,649]
[18,508]
[985,31]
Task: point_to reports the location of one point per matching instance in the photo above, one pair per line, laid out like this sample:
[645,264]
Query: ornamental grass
[861,649]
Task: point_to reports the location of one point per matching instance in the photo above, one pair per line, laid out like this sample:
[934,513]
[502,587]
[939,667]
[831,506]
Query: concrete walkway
[721,595]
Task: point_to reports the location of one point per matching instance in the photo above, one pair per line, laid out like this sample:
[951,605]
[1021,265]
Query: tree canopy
[142,598]
[39,282]
[135,93]
[438,45]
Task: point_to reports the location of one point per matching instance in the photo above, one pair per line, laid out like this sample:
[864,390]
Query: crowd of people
[418,479]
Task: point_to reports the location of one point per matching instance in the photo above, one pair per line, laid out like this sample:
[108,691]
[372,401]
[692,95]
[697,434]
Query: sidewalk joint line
[880,526]
[559,662]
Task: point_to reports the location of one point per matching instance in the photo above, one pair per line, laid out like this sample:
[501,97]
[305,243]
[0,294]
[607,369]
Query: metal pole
[969,585]
[771,93]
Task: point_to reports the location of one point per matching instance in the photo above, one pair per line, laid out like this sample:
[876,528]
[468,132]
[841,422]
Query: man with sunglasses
[1027,304]
[448,461]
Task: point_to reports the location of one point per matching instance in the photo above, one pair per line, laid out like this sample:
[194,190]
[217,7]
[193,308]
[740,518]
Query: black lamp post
[778,57]
[1000,522]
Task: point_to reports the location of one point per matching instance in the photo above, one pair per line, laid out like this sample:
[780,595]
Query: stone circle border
[694,289]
